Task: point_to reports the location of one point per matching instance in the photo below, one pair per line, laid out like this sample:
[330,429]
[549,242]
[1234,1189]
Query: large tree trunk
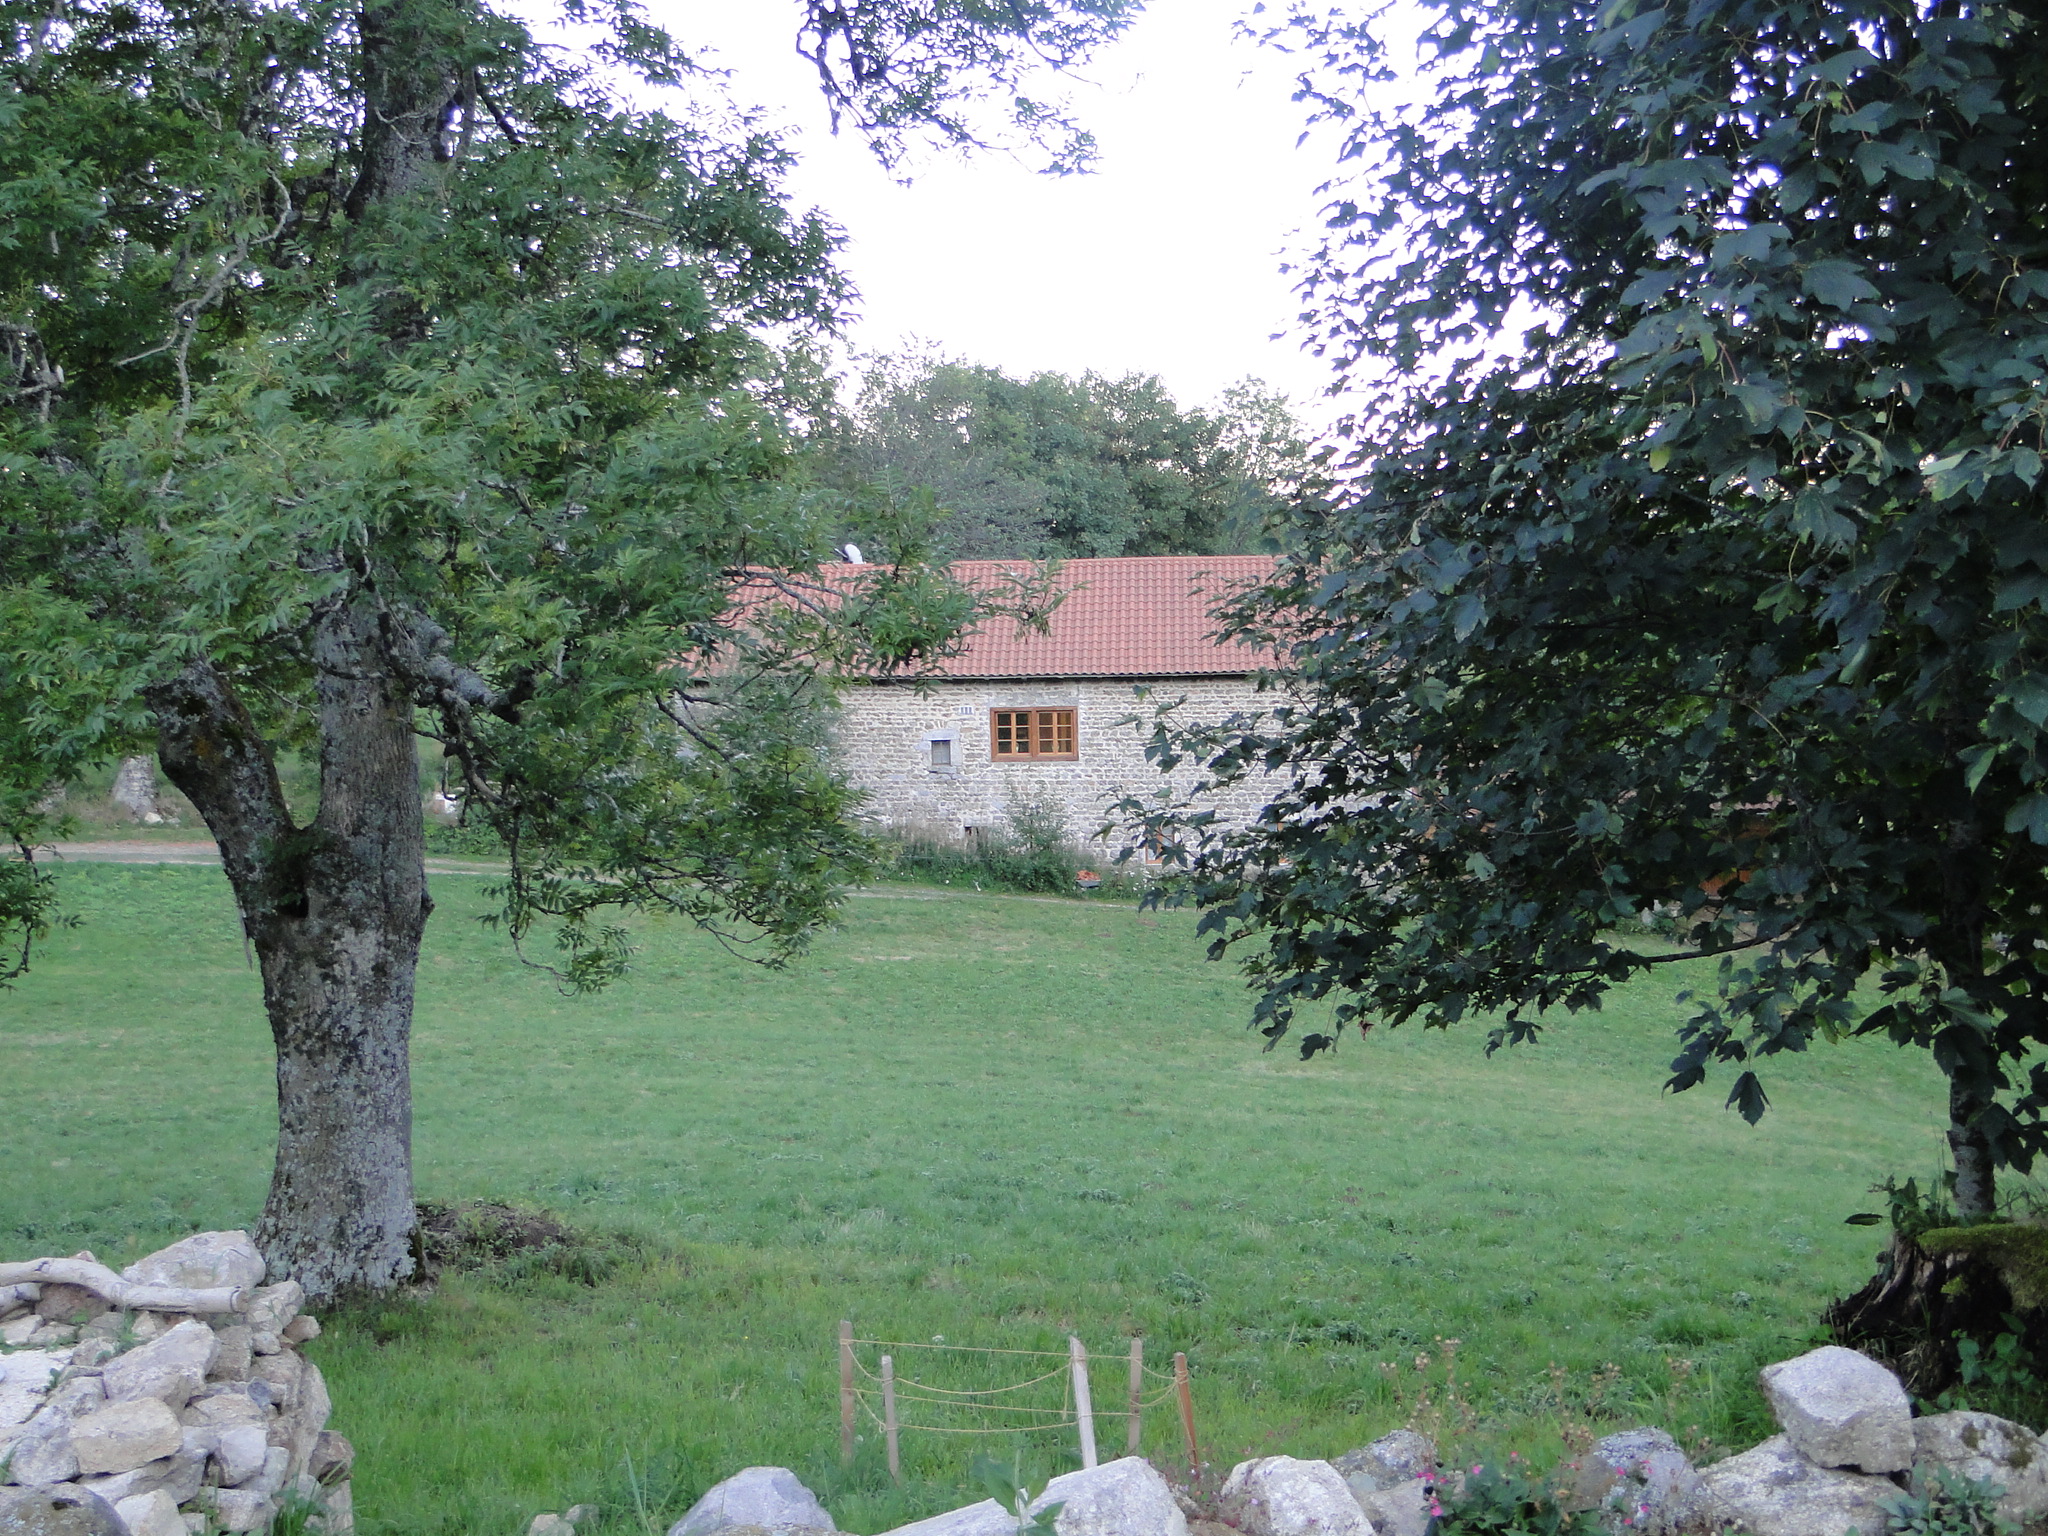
[335,909]
[335,912]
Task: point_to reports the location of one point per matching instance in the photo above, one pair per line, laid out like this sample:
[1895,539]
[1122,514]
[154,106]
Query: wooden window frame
[1049,724]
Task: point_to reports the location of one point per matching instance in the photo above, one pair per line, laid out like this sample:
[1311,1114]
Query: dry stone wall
[885,735]
[1850,1448]
[167,1399]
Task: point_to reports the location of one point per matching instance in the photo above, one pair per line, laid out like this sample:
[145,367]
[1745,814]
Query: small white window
[942,753]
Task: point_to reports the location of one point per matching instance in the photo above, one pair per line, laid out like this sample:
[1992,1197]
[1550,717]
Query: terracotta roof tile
[1132,616]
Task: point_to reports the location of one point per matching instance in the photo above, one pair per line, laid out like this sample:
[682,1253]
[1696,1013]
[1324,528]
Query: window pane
[1063,732]
[942,754]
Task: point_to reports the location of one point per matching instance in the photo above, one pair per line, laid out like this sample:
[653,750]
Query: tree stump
[1946,1285]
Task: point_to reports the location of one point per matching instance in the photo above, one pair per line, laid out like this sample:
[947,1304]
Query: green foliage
[1696,564]
[1033,851]
[1998,1374]
[915,74]
[505,383]
[1498,1499]
[479,842]
[1052,466]
[1004,1481]
[1947,1504]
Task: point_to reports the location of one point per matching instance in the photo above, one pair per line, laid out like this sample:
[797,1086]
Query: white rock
[1127,1497]
[1399,1457]
[578,1514]
[1985,1448]
[16,1330]
[1655,1485]
[124,1435]
[240,1453]
[340,1516]
[42,1454]
[178,1474]
[280,1373]
[755,1496]
[25,1379]
[231,1361]
[151,1514]
[1281,1496]
[169,1368]
[988,1518]
[231,1405]
[269,1309]
[61,1511]
[549,1525]
[1774,1491]
[270,1482]
[41,1451]
[239,1509]
[308,1417]
[1399,1509]
[302,1329]
[1842,1409]
[202,1262]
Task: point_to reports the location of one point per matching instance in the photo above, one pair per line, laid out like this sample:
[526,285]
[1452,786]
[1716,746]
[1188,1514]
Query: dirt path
[141,851]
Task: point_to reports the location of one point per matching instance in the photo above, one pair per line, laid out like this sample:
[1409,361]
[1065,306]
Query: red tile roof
[1131,616]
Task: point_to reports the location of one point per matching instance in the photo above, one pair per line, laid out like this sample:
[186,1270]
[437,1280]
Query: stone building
[1031,719]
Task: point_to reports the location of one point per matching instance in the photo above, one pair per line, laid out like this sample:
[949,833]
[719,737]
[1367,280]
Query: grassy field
[987,1119]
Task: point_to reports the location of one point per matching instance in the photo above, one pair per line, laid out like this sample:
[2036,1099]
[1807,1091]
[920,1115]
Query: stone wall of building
[887,734]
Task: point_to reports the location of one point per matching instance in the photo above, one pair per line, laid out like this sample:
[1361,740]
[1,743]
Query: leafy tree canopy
[377,371]
[1720,592]
[1056,466]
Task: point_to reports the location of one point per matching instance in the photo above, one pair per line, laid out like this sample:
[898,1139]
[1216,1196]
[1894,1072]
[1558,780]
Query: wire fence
[1058,1397]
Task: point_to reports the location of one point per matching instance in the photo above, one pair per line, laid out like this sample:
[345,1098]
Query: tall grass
[992,1119]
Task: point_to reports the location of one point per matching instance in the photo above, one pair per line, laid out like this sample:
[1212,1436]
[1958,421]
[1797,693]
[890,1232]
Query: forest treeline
[1050,466]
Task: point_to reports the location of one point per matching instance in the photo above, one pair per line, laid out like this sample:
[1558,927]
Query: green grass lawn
[990,1119]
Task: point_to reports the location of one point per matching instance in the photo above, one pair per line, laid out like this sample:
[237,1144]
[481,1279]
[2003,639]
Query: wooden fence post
[1137,1395]
[1187,1411]
[889,1416]
[1084,1410]
[846,1398]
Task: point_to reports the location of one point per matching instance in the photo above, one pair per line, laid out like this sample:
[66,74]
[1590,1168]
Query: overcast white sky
[1165,262]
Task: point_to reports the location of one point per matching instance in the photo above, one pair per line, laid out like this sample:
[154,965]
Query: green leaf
[1877,159]
[2029,695]
[1747,1098]
[1839,69]
[1467,614]
[1751,244]
[1759,403]
[1977,762]
[1837,283]
[1652,285]
[2029,815]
